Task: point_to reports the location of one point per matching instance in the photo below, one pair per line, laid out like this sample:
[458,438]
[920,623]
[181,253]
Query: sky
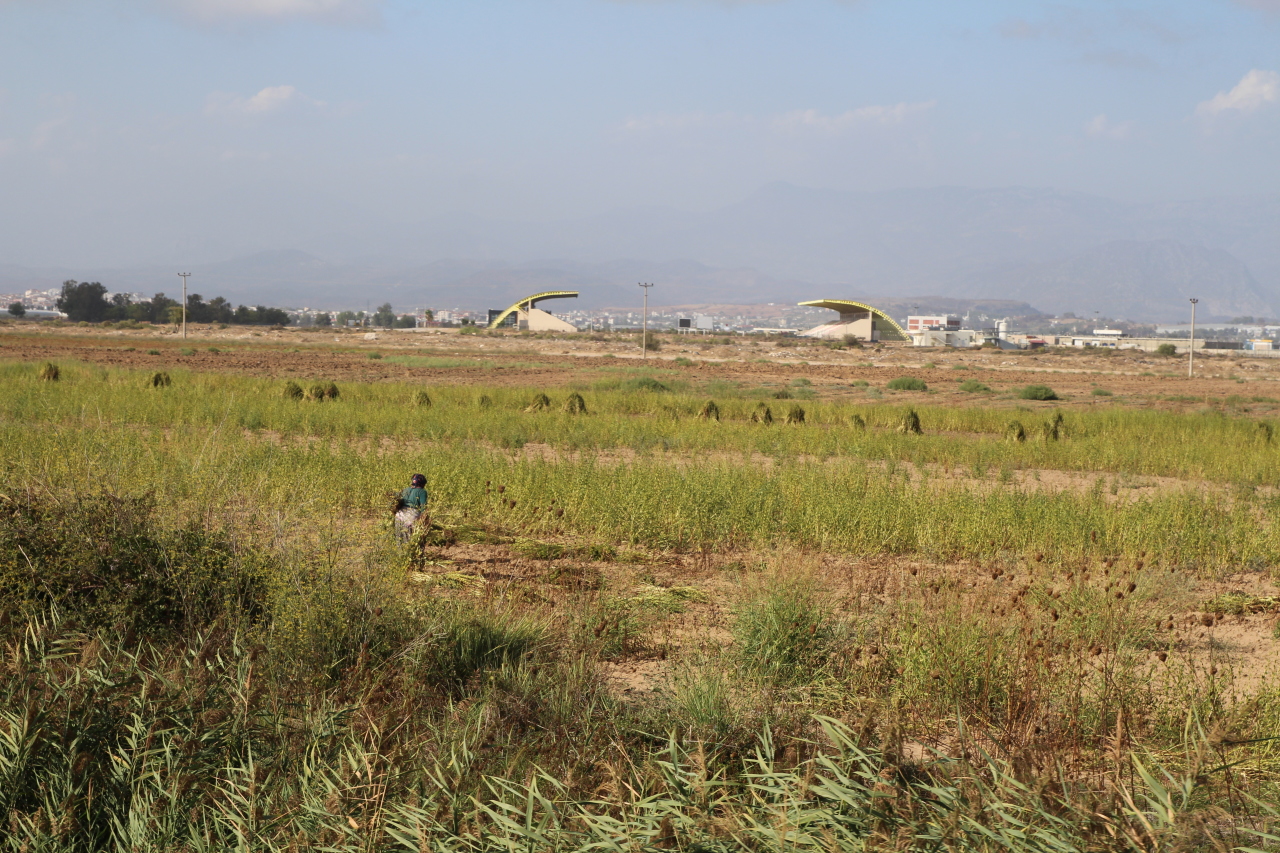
[151,131]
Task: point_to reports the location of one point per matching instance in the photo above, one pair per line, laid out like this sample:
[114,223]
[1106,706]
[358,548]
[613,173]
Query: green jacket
[414,497]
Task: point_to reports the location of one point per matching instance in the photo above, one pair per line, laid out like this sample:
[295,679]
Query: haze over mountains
[1057,251]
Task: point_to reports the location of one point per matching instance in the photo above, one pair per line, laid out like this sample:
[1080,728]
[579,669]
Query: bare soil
[1246,384]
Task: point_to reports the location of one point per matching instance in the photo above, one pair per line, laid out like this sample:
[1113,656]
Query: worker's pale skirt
[405,519]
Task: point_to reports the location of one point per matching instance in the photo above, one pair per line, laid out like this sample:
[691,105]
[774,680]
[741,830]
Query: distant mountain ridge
[1058,251]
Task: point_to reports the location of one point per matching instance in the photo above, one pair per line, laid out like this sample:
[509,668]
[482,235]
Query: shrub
[784,394]
[651,343]
[316,392]
[422,399]
[910,424]
[1100,392]
[857,422]
[186,351]
[153,352]
[159,379]
[575,405]
[484,401]
[762,414]
[709,411]
[1037,392]
[293,391]
[375,356]
[49,372]
[1167,350]
[540,402]
[852,342]
[973,386]
[1015,432]
[684,362]
[907,383]
[800,382]
[795,415]
[644,383]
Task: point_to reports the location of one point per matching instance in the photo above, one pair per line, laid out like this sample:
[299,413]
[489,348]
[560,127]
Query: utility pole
[644,336]
[185,276]
[1191,351]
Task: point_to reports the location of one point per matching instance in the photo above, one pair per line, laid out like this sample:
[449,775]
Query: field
[738,596]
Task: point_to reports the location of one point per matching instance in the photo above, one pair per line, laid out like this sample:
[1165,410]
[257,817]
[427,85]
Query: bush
[907,383]
[762,414]
[159,379]
[293,391]
[857,422]
[644,383]
[375,356]
[102,559]
[795,415]
[49,372]
[852,342]
[1167,350]
[575,405]
[651,343]
[784,394]
[186,351]
[540,402]
[709,411]
[1100,392]
[973,386]
[422,399]
[1015,432]
[1054,429]
[1037,392]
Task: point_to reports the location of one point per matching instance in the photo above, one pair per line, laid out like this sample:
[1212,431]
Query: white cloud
[1103,128]
[272,99]
[336,11]
[1254,91]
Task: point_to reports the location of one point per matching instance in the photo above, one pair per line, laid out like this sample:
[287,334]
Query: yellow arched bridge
[525,305]
[879,324]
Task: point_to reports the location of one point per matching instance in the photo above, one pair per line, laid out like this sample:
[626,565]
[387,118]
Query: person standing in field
[411,507]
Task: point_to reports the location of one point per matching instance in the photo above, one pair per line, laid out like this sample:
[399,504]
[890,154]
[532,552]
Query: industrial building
[862,321]
[525,317]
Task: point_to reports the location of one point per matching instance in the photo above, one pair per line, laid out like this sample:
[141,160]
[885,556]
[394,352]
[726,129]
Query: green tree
[324,320]
[17,309]
[83,301]
[385,316]
[406,321]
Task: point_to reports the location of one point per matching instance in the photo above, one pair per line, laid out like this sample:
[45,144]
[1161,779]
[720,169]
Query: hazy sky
[149,130]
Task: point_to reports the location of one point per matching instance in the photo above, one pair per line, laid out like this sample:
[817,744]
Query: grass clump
[1054,428]
[1015,432]
[795,415]
[160,379]
[422,399]
[910,423]
[1037,392]
[973,386]
[783,634]
[541,402]
[153,352]
[320,391]
[906,383]
[186,351]
[575,405]
[484,401]
[1101,392]
[762,414]
[292,391]
[375,356]
[49,372]
[709,411]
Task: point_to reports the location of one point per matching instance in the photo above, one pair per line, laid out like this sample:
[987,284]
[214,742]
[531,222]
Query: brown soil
[1132,378]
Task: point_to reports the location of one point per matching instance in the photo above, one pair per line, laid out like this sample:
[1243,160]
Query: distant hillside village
[92,302]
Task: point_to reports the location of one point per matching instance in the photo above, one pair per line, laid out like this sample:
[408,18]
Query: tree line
[87,301]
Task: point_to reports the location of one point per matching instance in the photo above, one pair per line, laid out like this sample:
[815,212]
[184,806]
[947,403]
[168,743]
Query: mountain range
[1057,251]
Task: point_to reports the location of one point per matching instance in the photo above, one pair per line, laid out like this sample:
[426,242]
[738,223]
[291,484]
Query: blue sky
[145,130]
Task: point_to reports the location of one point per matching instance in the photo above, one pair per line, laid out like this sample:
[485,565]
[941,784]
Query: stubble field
[948,618]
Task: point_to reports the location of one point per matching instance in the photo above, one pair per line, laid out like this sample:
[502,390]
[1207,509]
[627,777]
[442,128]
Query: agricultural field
[741,595]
